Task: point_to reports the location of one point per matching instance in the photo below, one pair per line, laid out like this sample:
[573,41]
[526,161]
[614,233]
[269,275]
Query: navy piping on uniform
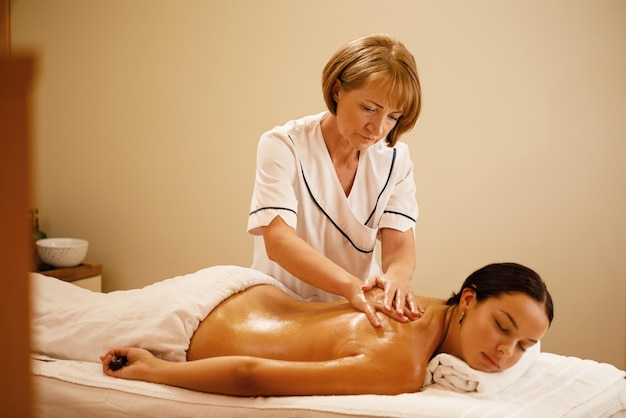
[306,183]
[401,214]
[393,161]
[272,207]
[328,216]
[331,219]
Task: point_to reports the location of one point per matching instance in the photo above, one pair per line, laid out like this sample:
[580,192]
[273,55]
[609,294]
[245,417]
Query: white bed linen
[453,373]
[553,386]
[69,322]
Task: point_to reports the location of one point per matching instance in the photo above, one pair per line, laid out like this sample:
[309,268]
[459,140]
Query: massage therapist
[329,185]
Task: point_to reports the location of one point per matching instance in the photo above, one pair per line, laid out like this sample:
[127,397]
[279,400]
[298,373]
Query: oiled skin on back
[264,322]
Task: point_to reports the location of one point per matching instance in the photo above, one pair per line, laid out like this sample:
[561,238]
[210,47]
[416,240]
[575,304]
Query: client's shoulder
[428,301]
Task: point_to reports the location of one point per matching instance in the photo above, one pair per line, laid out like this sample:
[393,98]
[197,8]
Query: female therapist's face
[495,332]
[365,115]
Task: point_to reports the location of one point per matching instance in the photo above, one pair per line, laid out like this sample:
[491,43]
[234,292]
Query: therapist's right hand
[370,303]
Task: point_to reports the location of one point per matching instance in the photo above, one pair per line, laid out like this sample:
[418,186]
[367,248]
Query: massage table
[68,380]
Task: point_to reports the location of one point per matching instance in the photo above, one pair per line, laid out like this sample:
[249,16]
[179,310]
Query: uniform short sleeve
[275,179]
[401,211]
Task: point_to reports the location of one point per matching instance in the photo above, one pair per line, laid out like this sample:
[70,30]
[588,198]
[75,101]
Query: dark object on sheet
[117,362]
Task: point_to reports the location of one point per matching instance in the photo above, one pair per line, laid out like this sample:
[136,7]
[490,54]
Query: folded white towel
[455,374]
[69,322]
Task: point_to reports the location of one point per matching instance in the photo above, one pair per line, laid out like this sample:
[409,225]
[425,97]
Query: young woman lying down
[262,341]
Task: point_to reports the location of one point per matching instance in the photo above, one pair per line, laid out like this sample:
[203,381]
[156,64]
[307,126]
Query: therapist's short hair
[376,58]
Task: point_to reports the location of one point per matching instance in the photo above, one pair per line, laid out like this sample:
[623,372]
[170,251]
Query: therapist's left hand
[399,296]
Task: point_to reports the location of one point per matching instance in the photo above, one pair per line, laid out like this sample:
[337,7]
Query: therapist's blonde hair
[377,57]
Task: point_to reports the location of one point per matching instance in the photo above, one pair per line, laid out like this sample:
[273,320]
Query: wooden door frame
[16,77]
[5,26]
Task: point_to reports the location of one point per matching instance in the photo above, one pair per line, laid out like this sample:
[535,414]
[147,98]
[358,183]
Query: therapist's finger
[360,303]
[370,283]
[372,316]
[390,295]
[400,301]
[415,307]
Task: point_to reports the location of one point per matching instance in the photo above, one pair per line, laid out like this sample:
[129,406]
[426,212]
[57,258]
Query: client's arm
[252,376]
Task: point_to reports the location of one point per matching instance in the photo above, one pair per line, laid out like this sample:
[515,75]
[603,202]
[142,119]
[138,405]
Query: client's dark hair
[495,279]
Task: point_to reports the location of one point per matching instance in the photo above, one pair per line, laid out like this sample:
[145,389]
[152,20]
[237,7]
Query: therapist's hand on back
[398,299]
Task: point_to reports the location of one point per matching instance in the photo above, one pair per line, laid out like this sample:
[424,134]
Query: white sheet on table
[72,323]
[553,386]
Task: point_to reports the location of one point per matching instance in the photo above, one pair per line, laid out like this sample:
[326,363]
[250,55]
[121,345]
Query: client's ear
[468,299]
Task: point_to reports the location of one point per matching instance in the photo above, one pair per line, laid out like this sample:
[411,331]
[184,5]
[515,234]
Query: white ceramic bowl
[62,252]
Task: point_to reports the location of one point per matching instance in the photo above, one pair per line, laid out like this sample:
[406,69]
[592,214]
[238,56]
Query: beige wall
[148,113]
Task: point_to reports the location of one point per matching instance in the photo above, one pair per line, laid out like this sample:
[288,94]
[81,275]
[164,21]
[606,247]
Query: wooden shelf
[70,274]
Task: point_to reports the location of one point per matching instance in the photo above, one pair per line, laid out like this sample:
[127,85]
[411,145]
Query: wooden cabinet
[86,275]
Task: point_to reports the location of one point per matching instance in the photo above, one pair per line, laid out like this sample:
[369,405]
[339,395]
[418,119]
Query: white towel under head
[455,374]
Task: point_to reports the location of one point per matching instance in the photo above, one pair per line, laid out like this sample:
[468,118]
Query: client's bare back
[263,321]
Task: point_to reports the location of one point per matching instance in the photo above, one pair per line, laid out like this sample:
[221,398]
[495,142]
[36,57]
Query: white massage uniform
[296,180]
